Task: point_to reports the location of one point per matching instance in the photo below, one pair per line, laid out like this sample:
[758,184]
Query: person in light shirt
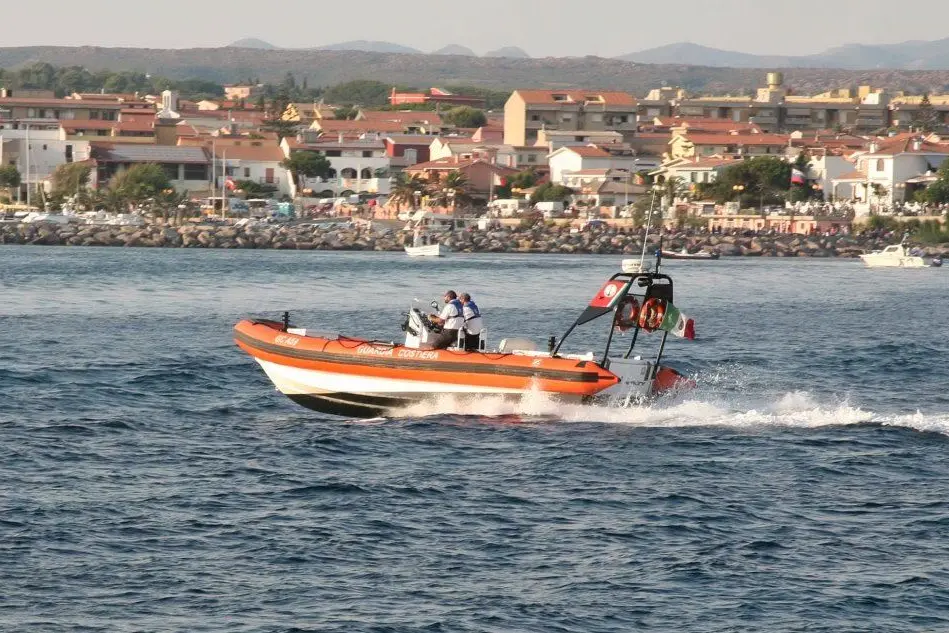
[474,324]
[451,319]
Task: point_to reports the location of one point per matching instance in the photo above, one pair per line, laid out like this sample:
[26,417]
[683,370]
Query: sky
[541,27]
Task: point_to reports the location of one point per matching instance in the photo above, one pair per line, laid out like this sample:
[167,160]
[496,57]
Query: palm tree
[405,190]
[453,190]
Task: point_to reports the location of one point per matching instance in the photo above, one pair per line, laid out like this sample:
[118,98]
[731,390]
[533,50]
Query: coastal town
[849,161]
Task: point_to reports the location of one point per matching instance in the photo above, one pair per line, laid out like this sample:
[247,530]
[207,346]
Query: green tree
[69,179]
[280,126]
[753,182]
[925,118]
[938,191]
[140,182]
[550,192]
[307,164]
[9,177]
[359,92]
[345,113]
[465,116]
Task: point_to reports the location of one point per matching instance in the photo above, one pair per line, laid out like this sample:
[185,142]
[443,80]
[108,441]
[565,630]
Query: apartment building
[527,112]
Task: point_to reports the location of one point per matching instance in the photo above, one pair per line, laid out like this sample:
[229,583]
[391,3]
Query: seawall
[543,239]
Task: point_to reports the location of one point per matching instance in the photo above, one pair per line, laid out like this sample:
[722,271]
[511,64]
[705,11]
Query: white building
[573,159]
[886,172]
[260,164]
[45,150]
[360,166]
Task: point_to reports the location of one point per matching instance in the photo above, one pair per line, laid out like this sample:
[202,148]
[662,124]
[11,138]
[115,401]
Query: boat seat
[508,345]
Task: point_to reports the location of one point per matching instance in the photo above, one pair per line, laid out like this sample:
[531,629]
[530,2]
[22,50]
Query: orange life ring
[626,314]
[652,313]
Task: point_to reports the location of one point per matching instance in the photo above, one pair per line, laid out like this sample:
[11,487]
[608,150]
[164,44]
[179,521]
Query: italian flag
[677,324]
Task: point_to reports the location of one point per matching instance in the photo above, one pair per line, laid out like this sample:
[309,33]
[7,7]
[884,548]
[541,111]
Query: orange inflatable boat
[364,378]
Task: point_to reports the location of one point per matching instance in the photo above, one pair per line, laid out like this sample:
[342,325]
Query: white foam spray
[797,409]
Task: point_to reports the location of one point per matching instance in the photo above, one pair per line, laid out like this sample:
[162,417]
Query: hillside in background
[227,65]
[912,55]
[253,42]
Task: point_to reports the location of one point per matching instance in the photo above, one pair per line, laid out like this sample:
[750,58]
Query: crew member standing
[450,319]
[474,324]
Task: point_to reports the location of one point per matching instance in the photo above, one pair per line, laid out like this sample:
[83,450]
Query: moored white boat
[893,256]
[424,250]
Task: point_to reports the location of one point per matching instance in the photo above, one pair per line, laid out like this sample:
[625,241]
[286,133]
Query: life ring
[652,313]
[626,314]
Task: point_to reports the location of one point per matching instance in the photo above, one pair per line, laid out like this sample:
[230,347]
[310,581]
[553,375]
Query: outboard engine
[636,380]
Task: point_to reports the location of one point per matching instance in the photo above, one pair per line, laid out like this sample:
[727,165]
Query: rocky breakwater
[538,239]
[289,237]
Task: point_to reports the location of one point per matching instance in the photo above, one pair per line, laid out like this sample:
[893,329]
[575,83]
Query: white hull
[429,250]
[880,260]
[297,381]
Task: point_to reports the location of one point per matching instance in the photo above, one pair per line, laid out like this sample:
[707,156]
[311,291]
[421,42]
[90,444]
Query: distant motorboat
[685,254]
[893,256]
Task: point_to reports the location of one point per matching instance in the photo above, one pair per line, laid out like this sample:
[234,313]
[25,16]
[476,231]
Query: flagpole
[224,185]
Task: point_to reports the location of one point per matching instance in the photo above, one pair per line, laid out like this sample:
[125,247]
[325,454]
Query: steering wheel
[433,325]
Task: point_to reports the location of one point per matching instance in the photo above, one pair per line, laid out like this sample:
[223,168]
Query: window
[596,117]
[171,170]
[44,147]
[535,117]
[69,154]
[532,158]
[411,156]
[247,172]
[93,115]
[268,175]
[367,153]
[334,152]
[196,172]
[880,166]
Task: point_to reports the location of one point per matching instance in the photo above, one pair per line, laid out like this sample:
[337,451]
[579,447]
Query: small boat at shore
[359,377]
[425,244]
[685,254]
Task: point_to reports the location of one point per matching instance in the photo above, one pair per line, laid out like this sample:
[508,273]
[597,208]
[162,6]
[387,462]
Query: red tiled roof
[62,103]
[906,144]
[610,98]
[851,175]
[333,126]
[589,151]
[403,116]
[264,153]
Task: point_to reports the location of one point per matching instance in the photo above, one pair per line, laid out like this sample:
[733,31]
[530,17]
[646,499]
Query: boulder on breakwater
[538,239]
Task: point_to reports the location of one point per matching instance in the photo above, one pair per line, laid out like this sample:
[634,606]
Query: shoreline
[539,240]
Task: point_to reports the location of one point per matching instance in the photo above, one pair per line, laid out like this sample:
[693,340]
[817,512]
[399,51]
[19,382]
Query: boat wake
[792,410]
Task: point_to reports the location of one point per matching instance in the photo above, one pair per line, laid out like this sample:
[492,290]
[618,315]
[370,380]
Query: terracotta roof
[610,98]
[265,153]
[906,144]
[333,126]
[403,116]
[86,124]
[851,175]
[588,151]
[587,172]
[411,139]
[62,103]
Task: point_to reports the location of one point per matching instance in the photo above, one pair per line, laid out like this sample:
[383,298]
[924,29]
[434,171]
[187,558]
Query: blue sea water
[151,479]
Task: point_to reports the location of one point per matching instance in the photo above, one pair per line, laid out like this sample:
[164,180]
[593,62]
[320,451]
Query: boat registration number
[284,339]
